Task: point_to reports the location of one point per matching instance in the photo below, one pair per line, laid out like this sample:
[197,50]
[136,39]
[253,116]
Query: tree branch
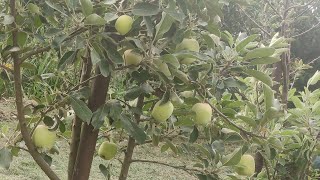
[226,119]
[19,101]
[273,8]
[47,48]
[310,29]
[299,6]
[184,168]
[259,26]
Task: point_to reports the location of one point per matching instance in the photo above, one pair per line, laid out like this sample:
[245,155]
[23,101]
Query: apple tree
[186,85]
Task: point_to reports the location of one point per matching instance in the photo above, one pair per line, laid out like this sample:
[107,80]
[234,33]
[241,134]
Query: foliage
[232,73]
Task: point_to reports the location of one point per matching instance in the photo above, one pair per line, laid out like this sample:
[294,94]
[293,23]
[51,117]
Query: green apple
[203,113]
[161,112]
[43,138]
[131,58]
[190,45]
[123,24]
[246,166]
[107,150]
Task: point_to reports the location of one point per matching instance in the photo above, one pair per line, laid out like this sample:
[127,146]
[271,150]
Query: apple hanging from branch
[203,113]
[107,150]
[123,24]
[43,138]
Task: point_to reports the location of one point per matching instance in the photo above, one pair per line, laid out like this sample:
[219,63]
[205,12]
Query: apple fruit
[107,150]
[43,138]
[161,112]
[123,24]
[131,58]
[190,45]
[203,113]
[246,166]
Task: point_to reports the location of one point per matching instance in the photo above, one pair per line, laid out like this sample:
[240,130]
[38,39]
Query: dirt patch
[7,109]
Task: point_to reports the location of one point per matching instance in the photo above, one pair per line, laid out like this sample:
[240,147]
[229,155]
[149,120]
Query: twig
[260,27]
[273,8]
[47,48]
[314,60]
[299,6]
[184,168]
[310,29]
[226,118]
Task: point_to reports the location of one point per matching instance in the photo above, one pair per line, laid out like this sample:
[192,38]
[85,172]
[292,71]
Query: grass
[24,168]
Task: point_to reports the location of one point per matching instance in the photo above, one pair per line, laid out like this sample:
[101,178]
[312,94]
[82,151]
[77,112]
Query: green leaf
[265,60]
[268,96]
[276,143]
[145,9]
[33,8]
[172,146]
[260,76]
[248,120]
[259,53]
[112,52]
[171,59]
[133,129]
[99,115]
[242,44]
[28,65]
[164,25]
[94,20]
[194,135]
[105,170]
[314,79]
[175,14]
[297,102]
[81,109]
[56,7]
[233,158]
[105,68]
[87,7]
[67,58]
[5,158]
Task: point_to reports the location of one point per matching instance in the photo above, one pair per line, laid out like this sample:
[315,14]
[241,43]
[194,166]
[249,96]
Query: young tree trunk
[76,127]
[19,101]
[89,135]
[131,145]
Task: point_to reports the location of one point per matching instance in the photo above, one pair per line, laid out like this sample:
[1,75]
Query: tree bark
[89,135]
[259,163]
[76,127]
[131,145]
[19,102]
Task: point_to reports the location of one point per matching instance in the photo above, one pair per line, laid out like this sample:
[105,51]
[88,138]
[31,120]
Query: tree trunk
[89,135]
[76,127]
[131,145]
[259,163]
[19,101]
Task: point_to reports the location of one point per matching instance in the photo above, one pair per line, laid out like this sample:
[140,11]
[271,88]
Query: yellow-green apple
[246,166]
[203,113]
[190,45]
[107,150]
[131,58]
[123,24]
[161,112]
[43,138]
